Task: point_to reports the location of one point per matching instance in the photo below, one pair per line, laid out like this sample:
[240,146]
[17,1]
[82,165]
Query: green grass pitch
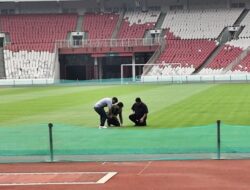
[180,105]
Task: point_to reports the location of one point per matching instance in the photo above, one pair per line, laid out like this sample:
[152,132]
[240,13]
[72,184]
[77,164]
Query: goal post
[136,71]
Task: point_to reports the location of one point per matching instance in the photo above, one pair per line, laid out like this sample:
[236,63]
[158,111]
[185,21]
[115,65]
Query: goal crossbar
[146,68]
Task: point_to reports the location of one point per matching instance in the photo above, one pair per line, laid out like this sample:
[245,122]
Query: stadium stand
[197,24]
[99,25]
[190,40]
[136,23]
[29,64]
[222,60]
[243,66]
[31,51]
[239,54]
[37,32]
[189,53]
[191,37]
[245,22]
[243,42]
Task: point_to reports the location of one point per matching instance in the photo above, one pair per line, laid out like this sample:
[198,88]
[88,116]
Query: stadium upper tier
[246,23]
[100,26]
[133,25]
[37,32]
[200,24]
[136,23]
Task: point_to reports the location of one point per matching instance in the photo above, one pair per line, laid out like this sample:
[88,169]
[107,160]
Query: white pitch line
[48,173]
[50,183]
[145,167]
[104,179]
[107,177]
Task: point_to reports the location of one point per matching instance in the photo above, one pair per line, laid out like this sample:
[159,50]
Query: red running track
[151,175]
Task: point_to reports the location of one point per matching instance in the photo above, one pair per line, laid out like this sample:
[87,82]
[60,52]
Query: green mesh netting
[74,143]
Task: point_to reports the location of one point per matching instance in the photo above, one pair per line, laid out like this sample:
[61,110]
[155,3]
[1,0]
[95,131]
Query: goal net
[136,72]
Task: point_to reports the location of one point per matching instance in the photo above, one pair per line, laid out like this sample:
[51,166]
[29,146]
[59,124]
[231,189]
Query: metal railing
[97,43]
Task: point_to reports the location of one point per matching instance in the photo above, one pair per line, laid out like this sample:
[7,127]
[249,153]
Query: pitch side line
[103,180]
[107,177]
[47,173]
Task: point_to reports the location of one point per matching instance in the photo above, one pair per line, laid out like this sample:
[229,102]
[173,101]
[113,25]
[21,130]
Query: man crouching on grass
[140,110]
[116,110]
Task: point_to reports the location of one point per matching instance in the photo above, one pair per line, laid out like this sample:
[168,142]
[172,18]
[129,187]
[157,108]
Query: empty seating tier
[200,24]
[100,25]
[189,53]
[222,60]
[246,23]
[37,32]
[136,23]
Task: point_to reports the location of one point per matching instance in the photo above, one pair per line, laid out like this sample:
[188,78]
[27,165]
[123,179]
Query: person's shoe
[102,127]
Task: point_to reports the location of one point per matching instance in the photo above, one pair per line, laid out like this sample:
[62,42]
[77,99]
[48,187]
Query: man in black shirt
[140,110]
[116,110]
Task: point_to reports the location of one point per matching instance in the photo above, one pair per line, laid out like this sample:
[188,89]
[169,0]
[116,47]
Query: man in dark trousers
[116,110]
[99,108]
[140,110]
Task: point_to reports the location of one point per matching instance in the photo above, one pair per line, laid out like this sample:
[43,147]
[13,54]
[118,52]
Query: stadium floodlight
[151,69]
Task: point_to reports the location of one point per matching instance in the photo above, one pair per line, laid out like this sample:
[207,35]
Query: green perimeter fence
[41,143]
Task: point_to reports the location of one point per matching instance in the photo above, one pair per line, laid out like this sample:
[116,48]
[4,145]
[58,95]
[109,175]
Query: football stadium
[187,60]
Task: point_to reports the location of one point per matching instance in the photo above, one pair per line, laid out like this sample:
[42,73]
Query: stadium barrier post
[51,142]
[218,139]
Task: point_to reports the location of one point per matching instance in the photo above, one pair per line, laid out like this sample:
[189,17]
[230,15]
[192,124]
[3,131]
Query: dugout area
[107,66]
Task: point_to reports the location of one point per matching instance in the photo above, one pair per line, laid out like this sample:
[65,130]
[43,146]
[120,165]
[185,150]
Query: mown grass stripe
[169,105]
